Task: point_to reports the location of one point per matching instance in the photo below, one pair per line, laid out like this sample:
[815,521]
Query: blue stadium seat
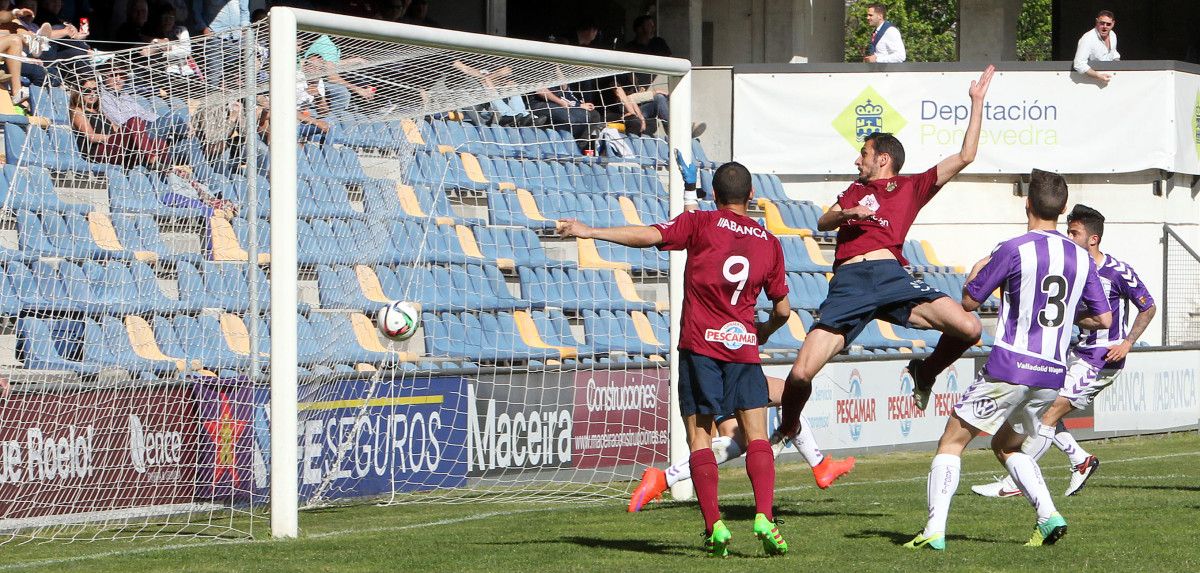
[520,246]
[52,345]
[31,188]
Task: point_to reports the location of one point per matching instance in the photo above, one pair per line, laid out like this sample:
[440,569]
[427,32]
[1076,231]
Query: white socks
[1028,476]
[724,449]
[807,444]
[1066,442]
[943,482]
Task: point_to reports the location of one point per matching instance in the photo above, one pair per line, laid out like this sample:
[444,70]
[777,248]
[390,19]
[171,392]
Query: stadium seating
[90,284]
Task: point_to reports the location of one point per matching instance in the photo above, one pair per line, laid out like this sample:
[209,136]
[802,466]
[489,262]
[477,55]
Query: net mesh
[136,286]
[1181,291]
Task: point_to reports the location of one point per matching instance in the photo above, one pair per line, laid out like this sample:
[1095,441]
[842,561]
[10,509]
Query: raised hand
[979,88]
[686,170]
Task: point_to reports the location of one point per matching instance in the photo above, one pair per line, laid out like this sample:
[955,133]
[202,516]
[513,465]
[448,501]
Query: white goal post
[285,26]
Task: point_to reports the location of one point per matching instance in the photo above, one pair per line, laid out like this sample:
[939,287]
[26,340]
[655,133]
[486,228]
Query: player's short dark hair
[887,143]
[1091,219]
[731,184]
[1104,13]
[1047,194]
[878,7]
[637,22]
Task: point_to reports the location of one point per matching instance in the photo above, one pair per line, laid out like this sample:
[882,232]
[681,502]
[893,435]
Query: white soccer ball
[398,320]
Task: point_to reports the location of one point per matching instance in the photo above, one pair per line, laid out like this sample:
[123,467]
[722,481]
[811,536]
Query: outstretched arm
[629,235]
[951,166]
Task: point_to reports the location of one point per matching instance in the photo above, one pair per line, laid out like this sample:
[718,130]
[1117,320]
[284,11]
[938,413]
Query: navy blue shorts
[715,387]
[861,292]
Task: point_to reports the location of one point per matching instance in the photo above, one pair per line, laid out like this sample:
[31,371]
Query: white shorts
[988,403]
[1084,381]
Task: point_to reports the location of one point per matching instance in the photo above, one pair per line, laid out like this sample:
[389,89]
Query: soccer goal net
[198,235]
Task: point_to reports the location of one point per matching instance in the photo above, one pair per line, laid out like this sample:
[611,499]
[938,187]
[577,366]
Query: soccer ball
[398,320]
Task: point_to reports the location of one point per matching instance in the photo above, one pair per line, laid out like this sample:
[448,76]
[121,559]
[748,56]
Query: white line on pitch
[456,520]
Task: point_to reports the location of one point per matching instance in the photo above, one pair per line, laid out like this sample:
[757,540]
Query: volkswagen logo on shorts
[983,407]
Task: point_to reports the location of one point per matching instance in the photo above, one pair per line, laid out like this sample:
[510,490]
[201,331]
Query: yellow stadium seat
[630,211]
[814,252]
[412,205]
[645,331]
[531,337]
[629,292]
[412,132]
[529,206]
[589,257]
[141,338]
[368,282]
[225,245]
[932,258]
[473,169]
[774,220]
[367,335]
[237,336]
[889,333]
[467,240]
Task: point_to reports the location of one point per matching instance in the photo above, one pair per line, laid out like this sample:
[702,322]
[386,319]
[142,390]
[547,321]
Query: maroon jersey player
[872,218]
[731,258]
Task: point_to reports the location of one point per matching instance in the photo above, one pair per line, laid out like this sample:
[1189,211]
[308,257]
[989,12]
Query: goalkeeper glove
[689,173]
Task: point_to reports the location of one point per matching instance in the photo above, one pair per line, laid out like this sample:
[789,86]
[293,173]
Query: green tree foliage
[930,29]
[1033,31]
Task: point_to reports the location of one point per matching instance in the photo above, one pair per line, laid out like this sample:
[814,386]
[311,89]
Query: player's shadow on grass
[902,537]
[1155,487]
[747,512]
[633,545]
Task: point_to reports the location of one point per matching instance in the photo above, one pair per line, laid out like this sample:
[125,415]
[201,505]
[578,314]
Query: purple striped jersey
[1044,279]
[1123,288]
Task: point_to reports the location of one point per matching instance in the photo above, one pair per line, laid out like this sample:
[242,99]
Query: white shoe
[1002,487]
[1081,473]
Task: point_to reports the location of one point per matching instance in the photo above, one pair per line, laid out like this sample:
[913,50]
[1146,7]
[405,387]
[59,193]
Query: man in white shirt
[1099,45]
[886,45]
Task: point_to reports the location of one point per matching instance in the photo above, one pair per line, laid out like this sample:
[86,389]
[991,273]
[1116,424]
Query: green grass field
[1140,512]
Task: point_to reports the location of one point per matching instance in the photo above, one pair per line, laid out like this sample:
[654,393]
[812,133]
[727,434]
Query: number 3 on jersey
[1055,289]
[740,277]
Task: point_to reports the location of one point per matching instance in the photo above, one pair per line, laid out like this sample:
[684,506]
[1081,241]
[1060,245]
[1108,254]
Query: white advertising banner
[1156,391]
[814,123]
[1187,117]
[863,404]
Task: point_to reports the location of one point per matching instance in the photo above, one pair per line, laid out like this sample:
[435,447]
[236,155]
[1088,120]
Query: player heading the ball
[731,258]
[872,218]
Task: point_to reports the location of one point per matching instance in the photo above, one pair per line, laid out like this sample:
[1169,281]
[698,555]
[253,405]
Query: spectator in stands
[1098,45]
[121,106]
[136,16]
[646,39]
[11,48]
[623,101]
[507,111]
[417,14]
[393,10]
[886,46]
[568,111]
[321,60]
[220,22]
[170,48]
[586,32]
[29,46]
[101,140]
